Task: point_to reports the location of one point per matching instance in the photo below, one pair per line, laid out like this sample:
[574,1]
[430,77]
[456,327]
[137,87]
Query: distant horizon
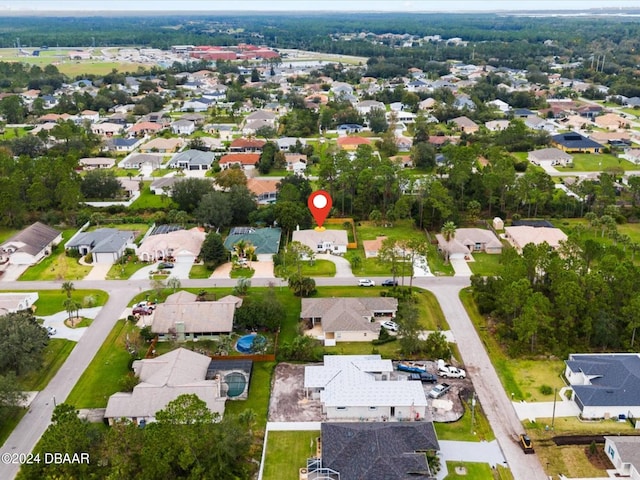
[40,7]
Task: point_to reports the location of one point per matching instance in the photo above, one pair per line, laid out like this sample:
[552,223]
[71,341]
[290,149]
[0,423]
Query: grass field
[52,301]
[486,264]
[462,430]
[586,162]
[287,452]
[55,354]
[149,200]
[6,233]
[320,268]
[259,394]
[106,371]
[10,420]
[199,271]
[472,471]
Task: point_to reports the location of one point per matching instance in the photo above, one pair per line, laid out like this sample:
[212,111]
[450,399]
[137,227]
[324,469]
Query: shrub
[545,390]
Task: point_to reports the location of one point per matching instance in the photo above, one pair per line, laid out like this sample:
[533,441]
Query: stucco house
[162,380]
[372,247]
[574,142]
[265,240]
[605,385]
[521,235]
[352,387]
[246,161]
[377,450]
[183,127]
[470,240]
[465,124]
[624,453]
[181,245]
[93,163]
[11,302]
[326,241]
[182,318]
[549,157]
[106,245]
[30,245]
[347,319]
[192,160]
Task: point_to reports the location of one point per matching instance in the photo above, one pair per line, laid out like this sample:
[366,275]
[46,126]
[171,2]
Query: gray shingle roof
[103,240]
[35,238]
[378,451]
[615,379]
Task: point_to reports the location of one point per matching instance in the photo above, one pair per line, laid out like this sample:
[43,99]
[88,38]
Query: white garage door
[185,258]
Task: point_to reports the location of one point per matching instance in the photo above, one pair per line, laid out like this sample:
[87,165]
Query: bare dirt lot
[288,402]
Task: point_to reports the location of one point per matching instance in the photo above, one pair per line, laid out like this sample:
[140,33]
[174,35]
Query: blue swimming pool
[245,344]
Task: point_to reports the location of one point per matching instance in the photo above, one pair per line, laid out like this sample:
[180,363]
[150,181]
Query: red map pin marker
[320,204]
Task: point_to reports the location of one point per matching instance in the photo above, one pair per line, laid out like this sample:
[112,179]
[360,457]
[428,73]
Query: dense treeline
[584,297]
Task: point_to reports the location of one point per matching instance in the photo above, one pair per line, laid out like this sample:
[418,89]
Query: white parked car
[51,331]
[365,282]
[390,325]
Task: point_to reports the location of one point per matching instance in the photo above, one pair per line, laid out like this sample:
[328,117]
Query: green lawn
[259,394]
[10,419]
[472,471]
[242,272]
[587,162]
[6,233]
[106,371]
[199,271]
[55,354]
[462,429]
[486,264]
[123,272]
[52,301]
[320,268]
[389,350]
[56,267]
[148,200]
[287,452]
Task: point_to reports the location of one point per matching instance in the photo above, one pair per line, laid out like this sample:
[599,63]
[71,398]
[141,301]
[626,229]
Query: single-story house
[296,163]
[181,245]
[574,142]
[144,128]
[192,160]
[183,127]
[30,245]
[261,116]
[183,318]
[96,162]
[352,387]
[624,453]
[327,241]
[246,145]
[352,143]
[162,380]
[265,240]
[550,157]
[633,155]
[465,124]
[347,319]
[497,125]
[11,302]
[519,236]
[610,121]
[106,245]
[246,161]
[162,145]
[201,104]
[123,144]
[376,450]
[372,247]
[470,240]
[139,160]
[164,185]
[107,129]
[605,385]
[266,191]
[287,143]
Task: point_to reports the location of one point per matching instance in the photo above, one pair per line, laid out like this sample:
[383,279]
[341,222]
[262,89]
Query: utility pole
[473,409]
[553,418]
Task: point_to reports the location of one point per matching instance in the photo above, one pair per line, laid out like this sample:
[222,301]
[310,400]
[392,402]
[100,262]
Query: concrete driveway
[461,267]
[98,271]
[179,270]
[533,410]
[57,321]
[12,272]
[343,267]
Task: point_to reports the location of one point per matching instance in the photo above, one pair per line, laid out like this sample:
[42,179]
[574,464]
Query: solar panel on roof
[241,230]
[161,229]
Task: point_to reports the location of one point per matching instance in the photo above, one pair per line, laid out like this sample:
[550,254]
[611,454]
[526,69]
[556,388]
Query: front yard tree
[10,392]
[22,341]
[100,184]
[378,120]
[448,233]
[302,286]
[215,209]
[213,252]
[187,193]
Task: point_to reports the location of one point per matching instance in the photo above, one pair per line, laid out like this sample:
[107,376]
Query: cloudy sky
[308,5]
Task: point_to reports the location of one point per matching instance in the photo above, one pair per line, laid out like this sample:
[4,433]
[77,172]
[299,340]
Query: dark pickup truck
[423,377]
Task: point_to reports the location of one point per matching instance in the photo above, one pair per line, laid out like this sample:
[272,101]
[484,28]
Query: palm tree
[68,287]
[250,251]
[240,247]
[448,232]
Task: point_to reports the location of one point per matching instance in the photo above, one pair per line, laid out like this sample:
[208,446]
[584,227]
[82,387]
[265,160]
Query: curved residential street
[493,398]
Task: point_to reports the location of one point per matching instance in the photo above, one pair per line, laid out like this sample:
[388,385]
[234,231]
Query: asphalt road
[491,394]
